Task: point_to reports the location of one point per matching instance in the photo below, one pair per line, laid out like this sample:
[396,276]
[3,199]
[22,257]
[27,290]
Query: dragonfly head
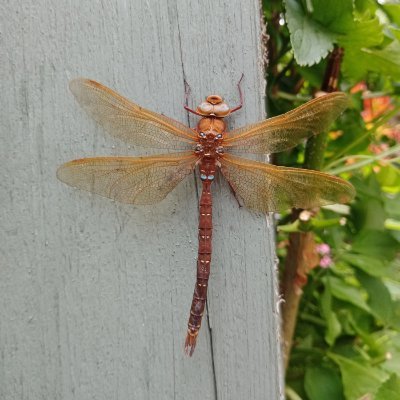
[214,106]
[214,99]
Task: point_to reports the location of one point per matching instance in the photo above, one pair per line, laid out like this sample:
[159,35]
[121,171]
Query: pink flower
[323,249]
[325,262]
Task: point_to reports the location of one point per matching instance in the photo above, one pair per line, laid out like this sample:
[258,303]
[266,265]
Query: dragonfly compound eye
[205,108]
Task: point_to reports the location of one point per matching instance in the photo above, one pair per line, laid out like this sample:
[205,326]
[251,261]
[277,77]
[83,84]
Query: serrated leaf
[351,27]
[329,12]
[359,33]
[359,61]
[358,379]
[390,389]
[323,384]
[310,40]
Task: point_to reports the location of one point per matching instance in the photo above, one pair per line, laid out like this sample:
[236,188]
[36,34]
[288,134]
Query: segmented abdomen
[207,171]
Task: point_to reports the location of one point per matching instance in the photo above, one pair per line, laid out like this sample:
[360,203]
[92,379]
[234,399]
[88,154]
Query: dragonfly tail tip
[190,343]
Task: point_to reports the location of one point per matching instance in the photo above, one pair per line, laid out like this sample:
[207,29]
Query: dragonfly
[209,147]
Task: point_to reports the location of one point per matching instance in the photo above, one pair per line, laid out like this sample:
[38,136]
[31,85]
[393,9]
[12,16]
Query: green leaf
[391,364]
[393,286]
[375,243]
[370,213]
[364,32]
[333,327]
[368,209]
[352,28]
[390,389]
[356,322]
[328,13]
[310,40]
[393,11]
[392,206]
[313,73]
[395,32]
[366,6]
[389,176]
[359,61]
[379,298]
[358,379]
[396,316]
[323,384]
[366,263]
[367,187]
[345,292]
[313,34]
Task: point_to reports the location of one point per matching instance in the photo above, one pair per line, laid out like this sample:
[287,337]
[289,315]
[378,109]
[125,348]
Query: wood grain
[83,279]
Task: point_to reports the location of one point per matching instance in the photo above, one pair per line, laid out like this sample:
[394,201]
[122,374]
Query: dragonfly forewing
[129,122]
[287,130]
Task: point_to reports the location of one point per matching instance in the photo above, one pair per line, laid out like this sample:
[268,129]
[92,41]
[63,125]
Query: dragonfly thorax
[210,136]
[210,144]
[211,125]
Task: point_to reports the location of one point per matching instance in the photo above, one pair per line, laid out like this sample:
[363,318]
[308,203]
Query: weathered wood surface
[83,280]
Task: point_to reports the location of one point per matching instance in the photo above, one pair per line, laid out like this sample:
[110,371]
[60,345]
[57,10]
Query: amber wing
[133,180]
[129,122]
[267,188]
[285,131]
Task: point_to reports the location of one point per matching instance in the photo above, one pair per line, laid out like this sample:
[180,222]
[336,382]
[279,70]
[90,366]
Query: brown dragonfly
[147,180]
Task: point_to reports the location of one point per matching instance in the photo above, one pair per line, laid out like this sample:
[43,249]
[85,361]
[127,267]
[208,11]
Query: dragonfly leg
[186,104]
[239,86]
[238,199]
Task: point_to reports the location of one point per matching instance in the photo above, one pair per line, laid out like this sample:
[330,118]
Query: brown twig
[301,250]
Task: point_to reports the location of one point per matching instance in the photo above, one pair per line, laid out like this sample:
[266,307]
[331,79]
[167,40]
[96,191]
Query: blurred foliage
[347,340]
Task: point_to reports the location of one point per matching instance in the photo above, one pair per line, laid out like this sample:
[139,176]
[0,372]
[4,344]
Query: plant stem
[369,160]
[354,143]
[291,394]
[379,122]
[291,97]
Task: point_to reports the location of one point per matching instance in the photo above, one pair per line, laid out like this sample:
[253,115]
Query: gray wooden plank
[96,295]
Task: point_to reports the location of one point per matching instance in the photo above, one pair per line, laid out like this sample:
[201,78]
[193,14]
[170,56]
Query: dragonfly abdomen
[207,173]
